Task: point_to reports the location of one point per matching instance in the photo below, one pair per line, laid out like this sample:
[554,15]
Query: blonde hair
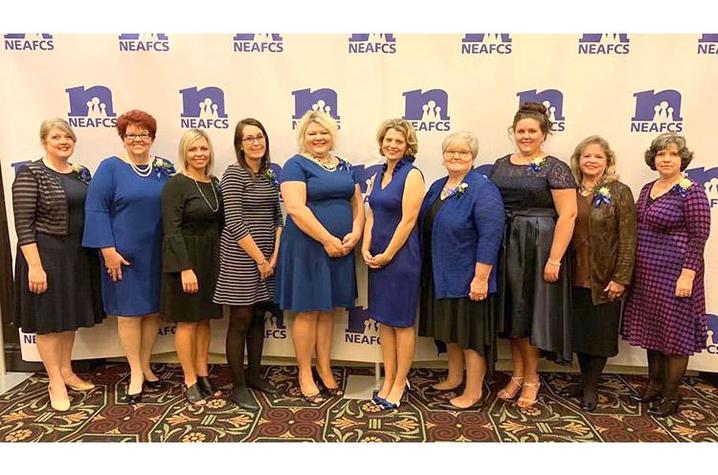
[610,174]
[317,117]
[403,127]
[190,137]
[56,123]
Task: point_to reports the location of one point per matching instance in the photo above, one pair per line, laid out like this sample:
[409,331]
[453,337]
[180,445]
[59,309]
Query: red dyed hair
[139,118]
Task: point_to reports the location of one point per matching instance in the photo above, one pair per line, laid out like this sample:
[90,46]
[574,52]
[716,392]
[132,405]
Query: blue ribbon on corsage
[682,186]
[82,172]
[163,167]
[536,164]
[271,176]
[602,196]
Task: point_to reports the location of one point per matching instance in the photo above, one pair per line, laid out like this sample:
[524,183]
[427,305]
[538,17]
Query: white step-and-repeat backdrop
[627,88]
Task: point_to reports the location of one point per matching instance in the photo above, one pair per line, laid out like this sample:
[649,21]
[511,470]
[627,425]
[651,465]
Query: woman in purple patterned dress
[666,312]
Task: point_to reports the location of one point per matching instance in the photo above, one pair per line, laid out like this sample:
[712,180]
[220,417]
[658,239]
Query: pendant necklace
[216,200]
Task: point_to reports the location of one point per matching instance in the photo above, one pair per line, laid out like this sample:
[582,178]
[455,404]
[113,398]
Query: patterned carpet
[164,416]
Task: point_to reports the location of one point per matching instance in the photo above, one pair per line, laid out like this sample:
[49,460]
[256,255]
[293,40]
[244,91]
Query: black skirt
[72,299]
[528,305]
[595,327]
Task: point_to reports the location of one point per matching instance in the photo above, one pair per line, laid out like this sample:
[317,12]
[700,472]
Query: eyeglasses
[457,153]
[133,137]
[249,139]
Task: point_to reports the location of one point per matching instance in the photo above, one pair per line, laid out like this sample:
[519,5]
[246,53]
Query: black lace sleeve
[559,175]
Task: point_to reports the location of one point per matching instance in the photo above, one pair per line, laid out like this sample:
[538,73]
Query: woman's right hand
[113,263]
[37,280]
[189,282]
[333,247]
[367,256]
[265,269]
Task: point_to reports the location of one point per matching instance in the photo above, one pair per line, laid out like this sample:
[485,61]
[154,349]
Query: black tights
[665,373]
[246,326]
[591,369]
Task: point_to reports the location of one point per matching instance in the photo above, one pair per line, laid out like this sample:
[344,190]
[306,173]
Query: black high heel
[649,395]
[152,385]
[256,382]
[132,398]
[243,398]
[668,407]
[205,385]
[194,394]
[474,407]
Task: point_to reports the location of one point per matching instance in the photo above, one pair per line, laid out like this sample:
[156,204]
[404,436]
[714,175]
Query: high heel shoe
[194,394]
[155,385]
[243,398]
[668,407]
[333,392]
[133,398]
[526,402]
[83,386]
[571,391]
[258,383]
[505,394]
[649,395]
[59,406]
[208,390]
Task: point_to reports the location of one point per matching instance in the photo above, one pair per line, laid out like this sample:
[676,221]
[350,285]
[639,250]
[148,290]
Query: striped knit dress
[251,207]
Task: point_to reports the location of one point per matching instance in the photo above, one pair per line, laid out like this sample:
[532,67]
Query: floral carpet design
[165,416]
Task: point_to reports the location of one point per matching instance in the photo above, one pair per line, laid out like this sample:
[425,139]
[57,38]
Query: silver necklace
[214,192]
[138,170]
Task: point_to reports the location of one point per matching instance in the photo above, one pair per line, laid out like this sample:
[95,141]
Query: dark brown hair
[265,161]
[533,110]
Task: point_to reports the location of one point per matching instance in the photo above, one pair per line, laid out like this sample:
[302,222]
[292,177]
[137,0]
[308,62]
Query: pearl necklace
[214,192]
[329,168]
[137,169]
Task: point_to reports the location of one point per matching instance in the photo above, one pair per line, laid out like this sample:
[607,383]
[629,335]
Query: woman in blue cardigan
[462,221]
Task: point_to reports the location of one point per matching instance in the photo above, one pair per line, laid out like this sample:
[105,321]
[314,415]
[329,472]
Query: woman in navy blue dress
[462,221]
[316,260]
[123,218]
[392,251]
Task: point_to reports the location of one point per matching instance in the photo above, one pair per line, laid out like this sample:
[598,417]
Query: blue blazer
[467,229]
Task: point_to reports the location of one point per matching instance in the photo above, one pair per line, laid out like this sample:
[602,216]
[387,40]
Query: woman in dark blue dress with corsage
[392,251]
[316,260]
[123,218]
[462,220]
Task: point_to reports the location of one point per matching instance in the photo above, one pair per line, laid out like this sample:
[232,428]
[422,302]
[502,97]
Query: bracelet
[553,263]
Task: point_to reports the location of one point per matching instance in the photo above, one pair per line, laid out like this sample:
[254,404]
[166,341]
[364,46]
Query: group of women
[539,252]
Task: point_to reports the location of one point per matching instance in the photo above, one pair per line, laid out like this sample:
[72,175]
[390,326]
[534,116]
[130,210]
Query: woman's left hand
[614,290]
[479,289]
[273,263]
[379,261]
[684,286]
[349,241]
[550,272]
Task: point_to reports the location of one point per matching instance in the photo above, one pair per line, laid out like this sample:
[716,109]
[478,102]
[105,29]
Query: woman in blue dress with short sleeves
[316,260]
[123,218]
[392,251]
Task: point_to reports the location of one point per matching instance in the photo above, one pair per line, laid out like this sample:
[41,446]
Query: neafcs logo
[427,111]
[324,100]
[657,112]
[709,179]
[258,43]
[167,330]
[274,326]
[360,43]
[144,42]
[203,108]
[366,175]
[708,43]
[486,43]
[604,43]
[29,42]
[553,100]
[361,328]
[712,340]
[91,107]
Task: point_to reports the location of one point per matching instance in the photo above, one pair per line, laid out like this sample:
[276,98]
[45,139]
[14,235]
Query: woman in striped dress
[248,255]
